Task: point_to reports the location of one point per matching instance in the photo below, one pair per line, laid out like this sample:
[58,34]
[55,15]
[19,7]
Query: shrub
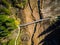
[5,11]
[7,25]
[6,3]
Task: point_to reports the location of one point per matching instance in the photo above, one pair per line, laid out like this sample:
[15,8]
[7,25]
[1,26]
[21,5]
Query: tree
[8,17]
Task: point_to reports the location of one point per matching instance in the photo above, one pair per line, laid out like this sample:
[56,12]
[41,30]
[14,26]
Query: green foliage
[14,1]
[23,3]
[3,31]
[11,24]
[5,10]
[7,24]
[3,18]
[6,3]
[19,3]
[3,43]
[12,42]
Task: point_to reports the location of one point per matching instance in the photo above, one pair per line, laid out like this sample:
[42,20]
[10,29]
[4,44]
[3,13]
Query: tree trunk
[33,12]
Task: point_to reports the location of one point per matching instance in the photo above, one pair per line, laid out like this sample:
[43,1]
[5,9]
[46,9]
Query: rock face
[48,8]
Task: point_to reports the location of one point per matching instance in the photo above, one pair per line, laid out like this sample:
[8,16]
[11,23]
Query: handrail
[35,22]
